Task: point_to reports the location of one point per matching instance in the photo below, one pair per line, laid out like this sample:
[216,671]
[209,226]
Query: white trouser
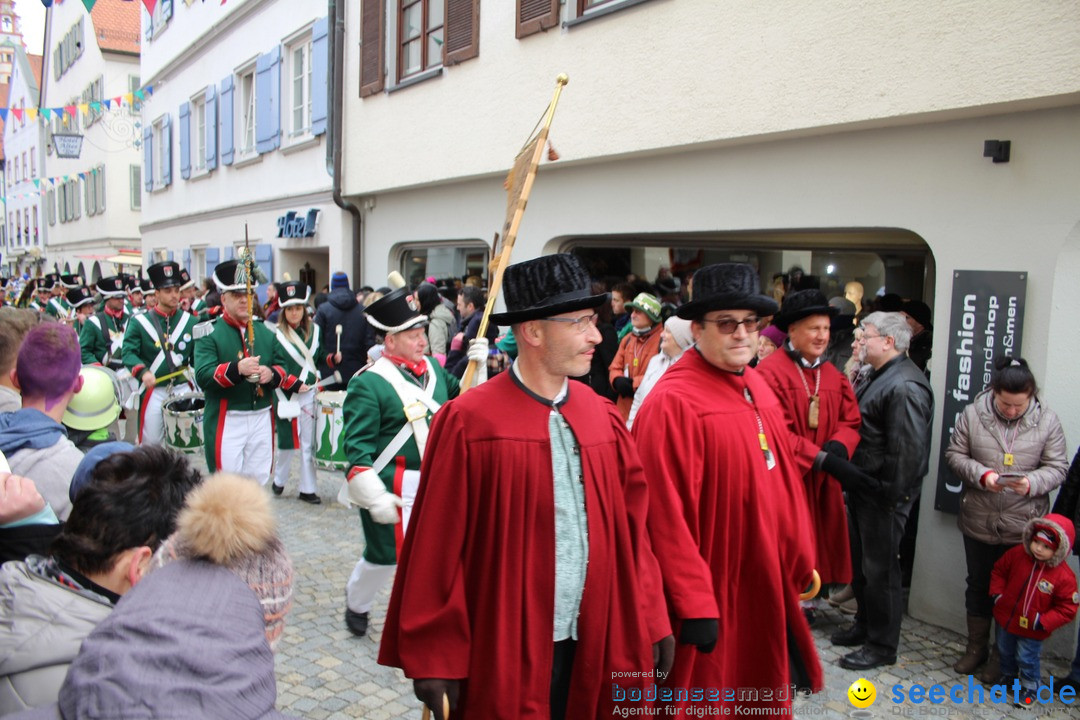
[365,583]
[153,424]
[304,428]
[247,443]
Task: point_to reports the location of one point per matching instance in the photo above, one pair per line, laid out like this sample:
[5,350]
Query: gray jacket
[977,447]
[42,625]
[51,469]
[897,407]
[442,325]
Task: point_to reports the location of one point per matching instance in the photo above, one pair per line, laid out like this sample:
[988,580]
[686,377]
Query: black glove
[663,655]
[701,632]
[850,477]
[430,691]
[835,447]
[624,386]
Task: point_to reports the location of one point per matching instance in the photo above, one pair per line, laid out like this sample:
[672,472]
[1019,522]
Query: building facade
[234,139]
[25,235]
[844,139]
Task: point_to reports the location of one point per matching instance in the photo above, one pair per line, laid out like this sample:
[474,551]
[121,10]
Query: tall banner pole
[518,188]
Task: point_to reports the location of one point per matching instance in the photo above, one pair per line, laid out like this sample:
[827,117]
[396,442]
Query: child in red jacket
[1034,594]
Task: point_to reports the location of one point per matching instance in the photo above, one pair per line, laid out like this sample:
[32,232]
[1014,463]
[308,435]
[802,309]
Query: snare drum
[330,431]
[183,419]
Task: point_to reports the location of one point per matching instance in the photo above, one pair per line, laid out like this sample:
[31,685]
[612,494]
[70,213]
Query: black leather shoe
[356,622]
[278,489]
[866,659]
[310,498]
[854,635]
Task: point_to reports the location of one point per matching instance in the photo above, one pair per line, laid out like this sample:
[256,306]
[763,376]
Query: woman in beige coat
[1009,451]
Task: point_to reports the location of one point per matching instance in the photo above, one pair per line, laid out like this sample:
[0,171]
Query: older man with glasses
[897,407]
[717,451]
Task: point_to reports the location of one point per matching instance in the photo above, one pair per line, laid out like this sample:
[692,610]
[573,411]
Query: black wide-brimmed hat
[396,311]
[803,304]
[292,292]
[546,286]
[165,274]
[726,286]
[111,286]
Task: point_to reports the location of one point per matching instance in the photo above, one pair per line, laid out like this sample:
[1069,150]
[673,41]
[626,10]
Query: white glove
[478,351]
[366,490]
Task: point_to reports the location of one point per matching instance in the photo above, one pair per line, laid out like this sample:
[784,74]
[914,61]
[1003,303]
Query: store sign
[986,322]
[294,225]
[67,145]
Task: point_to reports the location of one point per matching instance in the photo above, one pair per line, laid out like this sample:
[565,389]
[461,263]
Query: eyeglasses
[580,324]
[865,337]
[727,326]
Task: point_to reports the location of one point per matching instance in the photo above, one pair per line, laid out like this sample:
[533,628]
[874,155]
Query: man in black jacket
[897,407]
[357,337]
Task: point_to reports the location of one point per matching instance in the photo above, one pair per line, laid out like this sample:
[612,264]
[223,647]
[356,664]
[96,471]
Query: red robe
[474,594]
[698,440]
[839,420]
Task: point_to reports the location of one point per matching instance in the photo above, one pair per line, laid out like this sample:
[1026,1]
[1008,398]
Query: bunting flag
[42,185]
[89,4]
[131,100]
[148,4]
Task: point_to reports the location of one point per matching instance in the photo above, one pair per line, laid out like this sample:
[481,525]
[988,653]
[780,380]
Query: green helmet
[95,406]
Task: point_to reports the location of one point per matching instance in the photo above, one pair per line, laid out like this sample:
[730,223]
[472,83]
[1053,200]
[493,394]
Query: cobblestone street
[324,672]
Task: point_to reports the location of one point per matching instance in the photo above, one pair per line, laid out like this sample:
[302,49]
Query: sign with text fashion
[986,321]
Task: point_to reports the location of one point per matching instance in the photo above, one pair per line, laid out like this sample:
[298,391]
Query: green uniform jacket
[59,308]
[96,339]
[142,349]
[217,357]
[286,437]
[373,416]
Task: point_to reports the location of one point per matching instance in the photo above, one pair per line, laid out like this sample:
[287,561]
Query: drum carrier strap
[165,354]
[415,401]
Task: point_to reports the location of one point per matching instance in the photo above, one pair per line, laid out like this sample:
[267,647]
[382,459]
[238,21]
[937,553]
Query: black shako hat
[112,286]
[185,280]
[802,304]
[726,286]
[48,281]
[70,281]
[545,286]
[395,312]
[146,287]
[292,292]
[79,296]
[165,274]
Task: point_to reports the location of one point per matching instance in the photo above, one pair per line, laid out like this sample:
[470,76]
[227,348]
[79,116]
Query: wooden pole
[511,232]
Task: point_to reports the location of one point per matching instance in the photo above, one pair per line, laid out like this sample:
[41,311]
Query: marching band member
[81,302]
[387,409]
[44,292]
[58,306]
[102,336]
[149,293]
[299,338]
[237,364]
[158,345]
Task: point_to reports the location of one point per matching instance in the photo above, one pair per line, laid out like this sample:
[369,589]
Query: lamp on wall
[998,150]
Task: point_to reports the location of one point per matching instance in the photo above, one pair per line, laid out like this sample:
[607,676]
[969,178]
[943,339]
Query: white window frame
[158,152]
[197,139]
[298,82]
[246,112]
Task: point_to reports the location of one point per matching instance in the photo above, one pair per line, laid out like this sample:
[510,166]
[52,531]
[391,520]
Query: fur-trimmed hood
[1063,530]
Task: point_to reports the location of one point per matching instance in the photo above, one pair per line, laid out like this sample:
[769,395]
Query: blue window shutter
[170,256]
[225,123]
[148,158]
[187,261]
[211,261]
[320,57]
[185,140]
[211,128]
[264,258]
[268,101]
[166,155]
[226,253]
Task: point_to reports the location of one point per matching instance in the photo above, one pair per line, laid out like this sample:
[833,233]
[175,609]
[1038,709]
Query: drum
[330,431]
[183,418]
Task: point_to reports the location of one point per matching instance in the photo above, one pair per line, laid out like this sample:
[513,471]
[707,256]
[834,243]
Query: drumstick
[337,329]
[335,378]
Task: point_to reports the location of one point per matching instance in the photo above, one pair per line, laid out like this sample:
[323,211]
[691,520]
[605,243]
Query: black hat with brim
[396,312]
[546,286]
[292,292]
[803,304]
[165,274]
[726,286]
[79,296]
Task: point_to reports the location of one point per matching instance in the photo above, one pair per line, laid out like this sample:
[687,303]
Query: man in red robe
[716,449]
[824,419]
[527,586]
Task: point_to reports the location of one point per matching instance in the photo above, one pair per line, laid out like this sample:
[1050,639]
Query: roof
[35,67]
[117,25]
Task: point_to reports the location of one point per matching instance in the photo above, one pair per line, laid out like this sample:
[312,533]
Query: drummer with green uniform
[239,377]
[387,409]
[157,349]
[58,306]
[102,336]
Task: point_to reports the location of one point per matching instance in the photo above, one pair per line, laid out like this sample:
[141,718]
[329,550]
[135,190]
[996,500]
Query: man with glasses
[824,420]
[527,586]
[897,407]
[716,448]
